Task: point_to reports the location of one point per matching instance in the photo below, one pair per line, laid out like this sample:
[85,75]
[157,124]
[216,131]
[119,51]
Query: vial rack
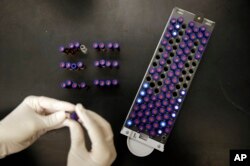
[166,82]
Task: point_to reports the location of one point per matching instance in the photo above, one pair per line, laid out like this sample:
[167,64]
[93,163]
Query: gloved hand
[103,152]
[31,119]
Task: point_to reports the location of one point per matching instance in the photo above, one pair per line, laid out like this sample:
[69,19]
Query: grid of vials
[168,78]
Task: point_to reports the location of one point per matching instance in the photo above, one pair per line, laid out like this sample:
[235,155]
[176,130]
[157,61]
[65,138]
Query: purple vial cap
[201,48]
[188,31]
[108,82]
[108,63]
[164,42]
[77,44]
[173,20]
[170,27]
[61,49]
[74,116]
[80,65]
[200,35]
[202,28]
[102,83]
[146,98]
[177,72]
[96,64]
[180,65]
[82,85]
[110,45]
[71,45]
[74,85]
[96,82]
[156,76]
[180,19]
[68,82]
[185,38]
[162,62]
[204,41]
[207,34]
[63,85]
[62,64]
[101,45]
[115,82]
[195,29]
[95,45]
[167,35]
[184,58]
[190,43]
[197,56]
[116,45]
[152,70]
[165,55]
[115,64]
[152,133]
[68,65]
[102,62]
[191,24]
[179,52]
[168,47]
[159,69]
[73,66]
[192,36]
[182,45]
[170,73]
[176,59]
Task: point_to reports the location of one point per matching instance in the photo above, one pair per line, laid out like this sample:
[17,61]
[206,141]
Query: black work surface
[216,113]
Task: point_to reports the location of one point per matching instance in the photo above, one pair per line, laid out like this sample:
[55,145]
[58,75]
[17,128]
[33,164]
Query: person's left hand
[31,119]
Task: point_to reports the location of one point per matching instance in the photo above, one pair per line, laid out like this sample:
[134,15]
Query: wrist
[3,147]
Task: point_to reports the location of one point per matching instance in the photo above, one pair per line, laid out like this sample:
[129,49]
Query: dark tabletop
[216,113]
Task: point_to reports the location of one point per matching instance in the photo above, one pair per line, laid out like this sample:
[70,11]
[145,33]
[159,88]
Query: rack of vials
[165,85]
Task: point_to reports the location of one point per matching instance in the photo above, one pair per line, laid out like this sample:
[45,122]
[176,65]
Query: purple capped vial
[108,63]
[67,65]
[71,45]
[63,85]
[102,46]
[116,46]
[77,45]
[80,65]
[102,62]
[74,85]
[61,49]
[110,46]
[68,83]
[115,82]
[115,64]
[173,20]
[62,65]
[102,83]
[73,66]
[95,45]
[74,116]
[180,19]
[96,64]
[108,82]
[96,82]
[82,85]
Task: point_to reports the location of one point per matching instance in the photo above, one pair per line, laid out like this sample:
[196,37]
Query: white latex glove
[31,119]
[103,151]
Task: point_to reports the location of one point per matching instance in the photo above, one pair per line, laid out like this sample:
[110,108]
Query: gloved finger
[76,135]
[95,133]
[105,126]
[53,120]
[49,104]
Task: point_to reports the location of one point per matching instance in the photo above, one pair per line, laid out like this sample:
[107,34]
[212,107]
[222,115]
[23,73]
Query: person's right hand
[102,152]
